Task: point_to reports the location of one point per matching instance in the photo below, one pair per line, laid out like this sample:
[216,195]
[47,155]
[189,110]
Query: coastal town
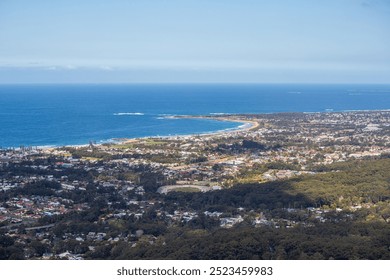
[124,192]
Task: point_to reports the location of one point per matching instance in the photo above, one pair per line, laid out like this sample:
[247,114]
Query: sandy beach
[247,125]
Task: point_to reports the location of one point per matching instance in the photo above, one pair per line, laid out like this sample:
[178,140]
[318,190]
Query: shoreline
[227,118]
[246,125]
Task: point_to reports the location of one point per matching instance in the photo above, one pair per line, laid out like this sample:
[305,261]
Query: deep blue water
[76,114]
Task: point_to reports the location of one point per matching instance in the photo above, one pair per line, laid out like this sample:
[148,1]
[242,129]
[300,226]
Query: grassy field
[186,190]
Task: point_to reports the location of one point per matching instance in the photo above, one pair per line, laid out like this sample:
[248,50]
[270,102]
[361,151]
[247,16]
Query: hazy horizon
[304,41]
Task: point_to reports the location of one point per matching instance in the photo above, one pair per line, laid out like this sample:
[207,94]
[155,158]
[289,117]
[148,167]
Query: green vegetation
[187,189]
[306,186]
[85,152]
[324,241]
[366,236]
[349,184]
[123,146]
[358,182]
[360,231]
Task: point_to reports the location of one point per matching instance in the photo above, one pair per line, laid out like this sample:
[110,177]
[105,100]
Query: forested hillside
[353,197]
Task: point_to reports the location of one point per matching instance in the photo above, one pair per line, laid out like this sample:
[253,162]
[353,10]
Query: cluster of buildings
[291,145]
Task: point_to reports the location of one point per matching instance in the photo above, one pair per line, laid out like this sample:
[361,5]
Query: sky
[195,41]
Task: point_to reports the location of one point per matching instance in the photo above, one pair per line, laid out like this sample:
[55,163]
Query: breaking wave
[129,114]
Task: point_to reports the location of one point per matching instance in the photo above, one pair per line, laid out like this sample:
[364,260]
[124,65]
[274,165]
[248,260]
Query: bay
[72,114]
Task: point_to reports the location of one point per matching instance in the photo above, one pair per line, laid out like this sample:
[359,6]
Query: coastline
[246,125]
[127,112]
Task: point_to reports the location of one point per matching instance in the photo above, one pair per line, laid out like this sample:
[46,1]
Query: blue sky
[278,41]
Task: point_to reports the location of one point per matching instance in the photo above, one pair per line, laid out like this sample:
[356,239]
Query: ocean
[55,115]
